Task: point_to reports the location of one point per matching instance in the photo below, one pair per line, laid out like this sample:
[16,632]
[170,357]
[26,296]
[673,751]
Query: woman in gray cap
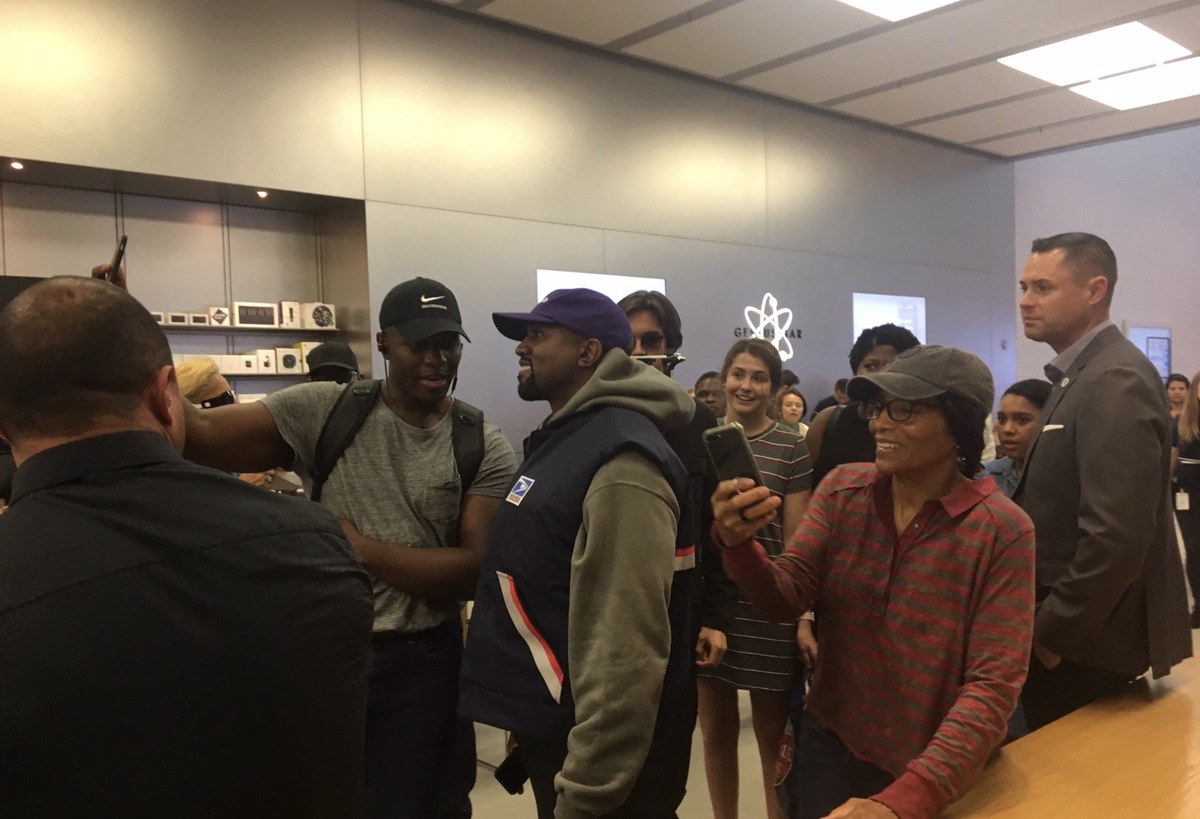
[924,579]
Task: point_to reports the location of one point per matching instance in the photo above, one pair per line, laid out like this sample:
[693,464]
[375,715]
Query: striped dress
[761,654]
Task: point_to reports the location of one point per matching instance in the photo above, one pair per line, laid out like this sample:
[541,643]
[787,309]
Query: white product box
[315,315]
[249,364]
[198,319]
[158,316]
[288,360]
[266,361]
[229,364]
[219,316]
[255,314]
[175,319]
[289,314]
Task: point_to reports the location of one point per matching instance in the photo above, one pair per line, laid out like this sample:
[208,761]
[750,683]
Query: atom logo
[770,315]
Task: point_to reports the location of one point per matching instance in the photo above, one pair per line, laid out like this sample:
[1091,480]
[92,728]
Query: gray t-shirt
[396,483]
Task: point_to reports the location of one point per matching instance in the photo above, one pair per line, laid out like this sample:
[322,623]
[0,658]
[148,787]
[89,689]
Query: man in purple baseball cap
[579,630]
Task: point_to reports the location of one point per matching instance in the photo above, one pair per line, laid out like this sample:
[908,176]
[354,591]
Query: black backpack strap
[466,434]
[341,425]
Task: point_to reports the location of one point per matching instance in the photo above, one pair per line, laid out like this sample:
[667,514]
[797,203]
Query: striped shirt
[762,655]
[925,634]
[782,458]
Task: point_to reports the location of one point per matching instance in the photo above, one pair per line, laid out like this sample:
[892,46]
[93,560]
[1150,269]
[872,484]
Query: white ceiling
[935,74]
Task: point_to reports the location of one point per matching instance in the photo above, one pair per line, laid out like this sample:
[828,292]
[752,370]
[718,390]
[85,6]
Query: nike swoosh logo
[427,299]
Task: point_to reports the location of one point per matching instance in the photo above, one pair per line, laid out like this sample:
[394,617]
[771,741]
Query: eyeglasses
[221,400]
[898,409]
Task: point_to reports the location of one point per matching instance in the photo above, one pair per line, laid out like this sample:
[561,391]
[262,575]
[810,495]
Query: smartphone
[511,773]
[118,257]
[729,453]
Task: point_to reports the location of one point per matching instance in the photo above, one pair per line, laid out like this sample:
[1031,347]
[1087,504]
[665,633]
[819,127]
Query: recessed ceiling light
[1099,54]
[894,10]
[1162,83]
[263,194]
[16,166]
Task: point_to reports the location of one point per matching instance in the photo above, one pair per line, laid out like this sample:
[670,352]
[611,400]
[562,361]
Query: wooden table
[1135,756]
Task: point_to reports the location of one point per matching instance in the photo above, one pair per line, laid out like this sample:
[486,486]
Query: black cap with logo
[420,308]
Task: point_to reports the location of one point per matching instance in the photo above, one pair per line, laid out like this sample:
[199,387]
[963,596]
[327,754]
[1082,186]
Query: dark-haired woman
[761,655]
[1016,422]
[1185,461]
[925,579]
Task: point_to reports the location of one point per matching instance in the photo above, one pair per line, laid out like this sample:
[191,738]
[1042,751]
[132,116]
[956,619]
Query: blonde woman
[201,383]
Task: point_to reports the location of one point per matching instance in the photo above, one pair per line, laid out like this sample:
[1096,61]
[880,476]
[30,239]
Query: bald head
[75,354]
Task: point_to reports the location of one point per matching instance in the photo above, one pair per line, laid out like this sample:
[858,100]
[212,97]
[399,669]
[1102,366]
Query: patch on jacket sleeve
[519,490]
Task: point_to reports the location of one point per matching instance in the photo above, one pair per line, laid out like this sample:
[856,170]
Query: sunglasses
[650,341]
[221,400]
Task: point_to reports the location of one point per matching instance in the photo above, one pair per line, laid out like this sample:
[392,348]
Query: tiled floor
[492,802]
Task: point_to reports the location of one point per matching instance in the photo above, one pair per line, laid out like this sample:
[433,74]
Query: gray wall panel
[176,253]
[56,232]
[466,115]
[263,93]
[837,187]
[273,255]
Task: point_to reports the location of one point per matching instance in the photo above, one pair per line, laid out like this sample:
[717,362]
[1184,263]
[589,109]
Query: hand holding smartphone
[729,453]
[118,257]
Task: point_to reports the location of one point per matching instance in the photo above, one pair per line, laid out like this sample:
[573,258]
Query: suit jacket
[1096,485]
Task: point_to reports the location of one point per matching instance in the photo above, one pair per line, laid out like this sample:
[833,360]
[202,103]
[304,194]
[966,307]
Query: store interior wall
[483,153]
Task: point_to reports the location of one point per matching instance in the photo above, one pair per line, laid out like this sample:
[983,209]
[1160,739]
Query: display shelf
[231,331]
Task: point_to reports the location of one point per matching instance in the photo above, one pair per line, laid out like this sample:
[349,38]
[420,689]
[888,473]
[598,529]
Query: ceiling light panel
[894,10]
[1149,86]
[1099,54]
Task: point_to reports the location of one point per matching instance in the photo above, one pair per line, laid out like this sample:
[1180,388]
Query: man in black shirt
[175,642]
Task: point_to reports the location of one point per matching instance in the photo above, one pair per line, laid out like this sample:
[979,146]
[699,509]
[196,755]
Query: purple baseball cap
[584,312]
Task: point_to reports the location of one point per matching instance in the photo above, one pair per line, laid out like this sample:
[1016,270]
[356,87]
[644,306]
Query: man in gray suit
[1110,589]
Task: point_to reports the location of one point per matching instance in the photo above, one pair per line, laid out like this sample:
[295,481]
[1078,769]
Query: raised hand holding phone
[112,271]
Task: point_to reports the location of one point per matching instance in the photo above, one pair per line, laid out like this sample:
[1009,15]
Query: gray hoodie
[620,636]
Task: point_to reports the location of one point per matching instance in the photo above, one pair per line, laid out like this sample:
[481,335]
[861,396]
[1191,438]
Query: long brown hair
[1189,419]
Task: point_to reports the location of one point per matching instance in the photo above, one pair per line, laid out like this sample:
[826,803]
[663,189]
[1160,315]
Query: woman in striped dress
[762,655]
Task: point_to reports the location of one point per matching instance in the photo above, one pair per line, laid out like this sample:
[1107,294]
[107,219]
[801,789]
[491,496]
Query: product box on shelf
[255,314]
[289,314]
[266,361]
[315,315]
[288,360]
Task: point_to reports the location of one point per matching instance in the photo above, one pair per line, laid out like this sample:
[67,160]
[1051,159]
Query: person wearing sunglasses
[201,383]
[657,334]
[925,579]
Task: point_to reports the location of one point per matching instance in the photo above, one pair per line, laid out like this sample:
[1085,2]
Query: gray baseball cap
[927,371]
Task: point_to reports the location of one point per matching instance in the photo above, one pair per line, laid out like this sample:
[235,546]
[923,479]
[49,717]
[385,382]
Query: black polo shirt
[175,642]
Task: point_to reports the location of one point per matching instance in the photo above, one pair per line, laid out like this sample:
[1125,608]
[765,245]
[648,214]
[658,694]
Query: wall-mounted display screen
[873,309]
[615,287]
[1155,342]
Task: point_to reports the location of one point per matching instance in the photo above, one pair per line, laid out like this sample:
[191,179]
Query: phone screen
[730,455]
